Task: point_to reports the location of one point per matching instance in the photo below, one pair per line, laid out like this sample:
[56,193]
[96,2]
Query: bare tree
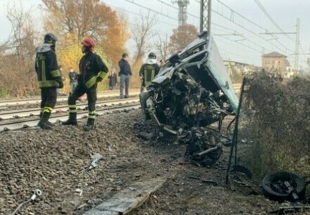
[17,76]
[162,46]
[142,33]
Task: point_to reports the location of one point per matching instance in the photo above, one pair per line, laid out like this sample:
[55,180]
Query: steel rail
[16,102]
[26,123]
[4,115]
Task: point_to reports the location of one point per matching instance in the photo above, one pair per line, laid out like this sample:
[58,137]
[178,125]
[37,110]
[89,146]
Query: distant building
[274,62]
[234,67]
[277,63]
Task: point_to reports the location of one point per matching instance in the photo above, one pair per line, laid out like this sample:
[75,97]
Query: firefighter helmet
[88,43]
[152,55]
[50,38]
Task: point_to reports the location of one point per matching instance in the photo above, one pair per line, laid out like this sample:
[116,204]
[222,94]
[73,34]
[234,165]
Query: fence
[273,128]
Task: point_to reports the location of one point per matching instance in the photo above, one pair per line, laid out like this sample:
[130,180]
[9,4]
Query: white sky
[247,47]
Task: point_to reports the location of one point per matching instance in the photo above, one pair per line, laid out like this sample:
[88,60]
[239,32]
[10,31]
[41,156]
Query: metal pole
[205,19]
[201,14]
[209,17]
[297,45]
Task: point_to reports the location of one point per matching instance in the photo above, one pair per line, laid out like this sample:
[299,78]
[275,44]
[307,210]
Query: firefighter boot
[71,120]
[48,122]
[44,123]
[90,124]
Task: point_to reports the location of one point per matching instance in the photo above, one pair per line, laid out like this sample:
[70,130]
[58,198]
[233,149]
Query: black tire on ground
[143,97]
[242,169]
[274,188]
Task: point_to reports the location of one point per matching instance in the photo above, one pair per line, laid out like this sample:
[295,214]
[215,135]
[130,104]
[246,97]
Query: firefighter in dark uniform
[49,78]
[92,71]
[148,71]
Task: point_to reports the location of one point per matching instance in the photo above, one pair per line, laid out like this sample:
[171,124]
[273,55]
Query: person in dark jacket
[124,73]
[73,77]
[59,93]
[148,71]
[49,78]
[92,71]
[112,79]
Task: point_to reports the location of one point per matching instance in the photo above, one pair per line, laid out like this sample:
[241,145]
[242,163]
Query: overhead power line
[234,14]
[270,18]
[231,18]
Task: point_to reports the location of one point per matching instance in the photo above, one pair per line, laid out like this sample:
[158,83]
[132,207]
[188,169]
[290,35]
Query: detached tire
[143,97]
[275,189]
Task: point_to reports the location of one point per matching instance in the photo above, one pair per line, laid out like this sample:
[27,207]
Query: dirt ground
[56,162]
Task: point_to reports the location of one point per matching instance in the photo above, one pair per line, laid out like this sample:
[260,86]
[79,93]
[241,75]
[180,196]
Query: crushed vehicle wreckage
[192,91]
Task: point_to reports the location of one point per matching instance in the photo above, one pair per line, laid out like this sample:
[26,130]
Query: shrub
[274,128]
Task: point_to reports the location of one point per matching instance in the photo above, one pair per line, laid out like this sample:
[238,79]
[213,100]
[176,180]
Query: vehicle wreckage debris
[36,193]
[129,198]
[290,208]
[192,91]
[94,163]
[284,186]
[213,183]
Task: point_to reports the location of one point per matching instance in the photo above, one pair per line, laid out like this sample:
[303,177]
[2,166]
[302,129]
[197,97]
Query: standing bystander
[73,76]
[63,80]
[112,79]
[124,73]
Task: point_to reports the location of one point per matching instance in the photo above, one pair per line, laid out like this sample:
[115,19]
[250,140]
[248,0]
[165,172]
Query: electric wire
[283,48]
[271,19]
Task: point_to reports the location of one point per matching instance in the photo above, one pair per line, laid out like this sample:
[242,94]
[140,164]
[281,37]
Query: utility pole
[297,45]
[296,42]
[308,61]
[182,18]
[205,15]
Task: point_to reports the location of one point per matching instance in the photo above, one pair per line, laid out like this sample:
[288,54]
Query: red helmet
[88,42]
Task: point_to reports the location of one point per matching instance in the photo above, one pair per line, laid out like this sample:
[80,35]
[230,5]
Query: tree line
[72,21]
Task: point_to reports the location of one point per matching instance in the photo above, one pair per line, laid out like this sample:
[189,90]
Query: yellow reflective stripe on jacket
[148,77]
[48,83]
[91,82]
[102,74]
[43,72]
[55,73]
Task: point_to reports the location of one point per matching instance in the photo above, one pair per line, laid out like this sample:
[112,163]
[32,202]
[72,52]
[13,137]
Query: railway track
[15,102]
[27,119]
[19,102]
[5,115]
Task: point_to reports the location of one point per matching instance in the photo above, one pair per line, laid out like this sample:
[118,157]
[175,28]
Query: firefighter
[49,78]
[148,71]
[92,71]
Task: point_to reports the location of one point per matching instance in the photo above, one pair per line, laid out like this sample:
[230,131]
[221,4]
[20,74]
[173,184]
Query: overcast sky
[237,25]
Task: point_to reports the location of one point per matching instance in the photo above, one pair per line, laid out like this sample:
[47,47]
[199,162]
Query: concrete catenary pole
[297,46]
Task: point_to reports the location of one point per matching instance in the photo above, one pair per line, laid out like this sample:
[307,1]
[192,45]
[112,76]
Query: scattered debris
[193,89]
[36,193]
[95,159]
[283,186]
[128,199]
